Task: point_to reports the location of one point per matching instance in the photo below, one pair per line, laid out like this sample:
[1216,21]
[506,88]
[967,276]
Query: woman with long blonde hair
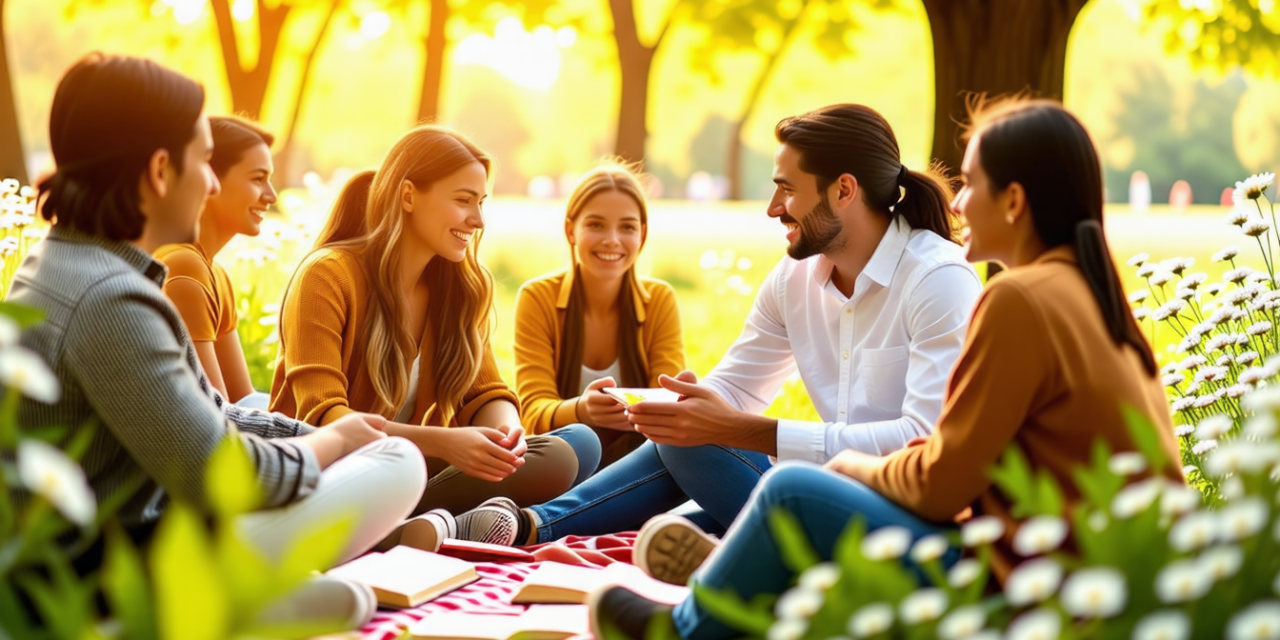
[390,314]
[596,324]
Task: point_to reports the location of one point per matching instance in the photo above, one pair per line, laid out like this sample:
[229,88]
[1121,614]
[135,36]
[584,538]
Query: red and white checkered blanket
[492,593]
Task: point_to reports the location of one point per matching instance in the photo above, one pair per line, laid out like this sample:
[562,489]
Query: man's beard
[820,231]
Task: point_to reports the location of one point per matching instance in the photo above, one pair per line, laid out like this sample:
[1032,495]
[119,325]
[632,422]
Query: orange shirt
[540,309]
[321,373]
[208,308]
[1040,371]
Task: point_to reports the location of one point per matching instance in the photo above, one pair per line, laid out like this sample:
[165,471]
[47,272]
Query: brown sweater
[321,373]
[1040,371]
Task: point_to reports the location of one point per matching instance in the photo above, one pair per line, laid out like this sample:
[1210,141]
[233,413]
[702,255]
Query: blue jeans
[651,480]
[585,444]
[749,561]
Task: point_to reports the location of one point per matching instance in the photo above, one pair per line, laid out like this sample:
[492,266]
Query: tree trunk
[733,166]
[435,46]
[285,158]
[634,63]
[249,86]
[13,161]
[994,47]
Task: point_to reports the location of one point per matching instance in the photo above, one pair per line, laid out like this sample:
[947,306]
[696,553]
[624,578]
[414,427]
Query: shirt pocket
[884,376]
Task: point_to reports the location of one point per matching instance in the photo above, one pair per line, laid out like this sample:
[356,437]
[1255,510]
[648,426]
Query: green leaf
[1145,438]
[1049,500]
[80,441]
[1098,484]
[245,572]
[318,549]
[727,607]
[14,614]
[232,482]
[23,315]
[660,627]
[793,543]
[191,603]
[124,582]
[1013,476]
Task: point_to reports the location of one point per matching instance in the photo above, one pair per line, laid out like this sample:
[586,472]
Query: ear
[155,177]
[406,196]
[568,233]
[1015,203]
[847,188]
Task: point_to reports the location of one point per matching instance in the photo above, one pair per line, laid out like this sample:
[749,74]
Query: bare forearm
[499,413]
[757,433]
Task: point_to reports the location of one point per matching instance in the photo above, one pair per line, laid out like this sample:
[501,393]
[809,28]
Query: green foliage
[1221,35]
[1033,493]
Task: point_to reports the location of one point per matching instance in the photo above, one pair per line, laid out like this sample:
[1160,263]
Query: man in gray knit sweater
[132,148]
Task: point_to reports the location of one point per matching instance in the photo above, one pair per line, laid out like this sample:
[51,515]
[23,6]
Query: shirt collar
[135,257]
[884,262]
[641,296]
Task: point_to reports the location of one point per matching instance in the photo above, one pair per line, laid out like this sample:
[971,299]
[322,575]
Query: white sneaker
[670,548]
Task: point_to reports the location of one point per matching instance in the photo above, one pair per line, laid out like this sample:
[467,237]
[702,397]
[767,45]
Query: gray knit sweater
[125,363]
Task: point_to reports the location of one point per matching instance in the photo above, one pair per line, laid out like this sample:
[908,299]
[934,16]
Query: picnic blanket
[498,582]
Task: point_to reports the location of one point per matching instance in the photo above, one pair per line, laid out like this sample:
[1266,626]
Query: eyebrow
[782,181]
[598,216]
[466,190]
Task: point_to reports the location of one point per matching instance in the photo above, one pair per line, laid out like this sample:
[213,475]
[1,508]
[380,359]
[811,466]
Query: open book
[630,396]
[556,583]
[536,623]
[407,577]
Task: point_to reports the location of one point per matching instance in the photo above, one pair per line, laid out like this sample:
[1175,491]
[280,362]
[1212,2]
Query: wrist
[757,433]
[577,413]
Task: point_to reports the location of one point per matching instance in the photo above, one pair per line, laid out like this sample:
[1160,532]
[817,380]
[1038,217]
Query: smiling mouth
[258,213]
[609,257]
[464,237]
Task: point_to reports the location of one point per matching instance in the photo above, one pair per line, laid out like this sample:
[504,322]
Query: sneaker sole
[671,548]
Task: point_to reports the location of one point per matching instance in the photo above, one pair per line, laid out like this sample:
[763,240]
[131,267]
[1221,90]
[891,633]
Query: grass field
[715,255]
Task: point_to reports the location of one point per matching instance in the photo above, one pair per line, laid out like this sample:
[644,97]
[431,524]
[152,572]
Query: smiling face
[173,211]
[444,217]
[986,210]
[246,194]
[805,211]
[607,234]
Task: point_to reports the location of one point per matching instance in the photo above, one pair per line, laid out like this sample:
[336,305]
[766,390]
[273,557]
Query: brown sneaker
[424,531]
[670,548]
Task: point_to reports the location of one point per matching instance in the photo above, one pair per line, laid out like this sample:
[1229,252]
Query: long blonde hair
[610,175]
[367,220]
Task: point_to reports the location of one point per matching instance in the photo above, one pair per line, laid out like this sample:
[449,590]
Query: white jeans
[377,486]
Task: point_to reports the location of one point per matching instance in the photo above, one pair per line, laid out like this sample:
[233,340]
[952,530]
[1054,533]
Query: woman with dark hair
[1051,358]
[200,287]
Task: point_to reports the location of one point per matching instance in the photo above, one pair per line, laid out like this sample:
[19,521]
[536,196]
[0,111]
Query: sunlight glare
[374,25]
[187,11]
[529,59]
[243,10]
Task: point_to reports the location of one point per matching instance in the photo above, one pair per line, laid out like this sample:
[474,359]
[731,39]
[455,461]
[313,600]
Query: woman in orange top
[198,286]
[390,314]
[596,324]
[1051,358]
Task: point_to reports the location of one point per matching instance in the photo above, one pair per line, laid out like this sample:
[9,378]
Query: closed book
[407,577]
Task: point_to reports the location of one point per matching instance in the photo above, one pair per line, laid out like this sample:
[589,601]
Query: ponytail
[347,221]
[926,201]
[1100,272]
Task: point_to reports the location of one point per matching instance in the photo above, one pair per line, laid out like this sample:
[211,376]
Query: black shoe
[617,613]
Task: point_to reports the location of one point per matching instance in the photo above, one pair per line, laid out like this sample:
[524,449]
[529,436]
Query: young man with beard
[870,308]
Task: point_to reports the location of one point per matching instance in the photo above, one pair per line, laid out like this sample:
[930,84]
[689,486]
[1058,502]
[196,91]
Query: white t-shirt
[406,409]
[590,375]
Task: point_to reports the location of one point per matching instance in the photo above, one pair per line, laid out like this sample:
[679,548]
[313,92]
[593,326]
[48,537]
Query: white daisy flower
[1182,404]
[1041,534]
[1182,581]
[1229,458]
[1214,426]
[1098,521]
[1253,187]
[1243,519]
[1256,227]
[1224,360]
[963,573]
[1262,399]
[1160,278]
[1259,621]
[1271,367]
[1033,581]
[1135,498]
[1041,624]
[871,620]
[1168,368]
[1173,379]
[1141,313]
[1184,430]
[1176,305]
[1162,313]
[1247,357]
[1259,328]
[1237,297]
[1205,401]
[1191,362]
[1139,296]
[1239,215]
[820,577]
[1178,265]
[1146,270]
[799,602]
[1094,592]
[1189,469]
[1258,278]
[1195,530]
[1221,562]
[787,629]
[1239,315]
[1193,281]
[886,543]
[1178,499]
[26,371]
[1184,294]
[1237,275]
[46,471]
[929,548]
[963,622]
[925,605]
[1204,447]
[981,530]
[1216,343]
[1127,463]
[1214,289]
[1252,375]
[1261,426]
[1226,253]
[1170,624]
[1139,259]
[1232,488]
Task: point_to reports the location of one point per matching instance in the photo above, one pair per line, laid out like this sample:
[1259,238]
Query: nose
[955,203]
[215,186]
[269,196]
[476,219]
[777,208]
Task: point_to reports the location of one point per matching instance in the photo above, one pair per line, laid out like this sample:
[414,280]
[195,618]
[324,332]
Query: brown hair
[1041,146]
[232,136]
[610,175]
[110,114]
[855,139]
[367,221]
